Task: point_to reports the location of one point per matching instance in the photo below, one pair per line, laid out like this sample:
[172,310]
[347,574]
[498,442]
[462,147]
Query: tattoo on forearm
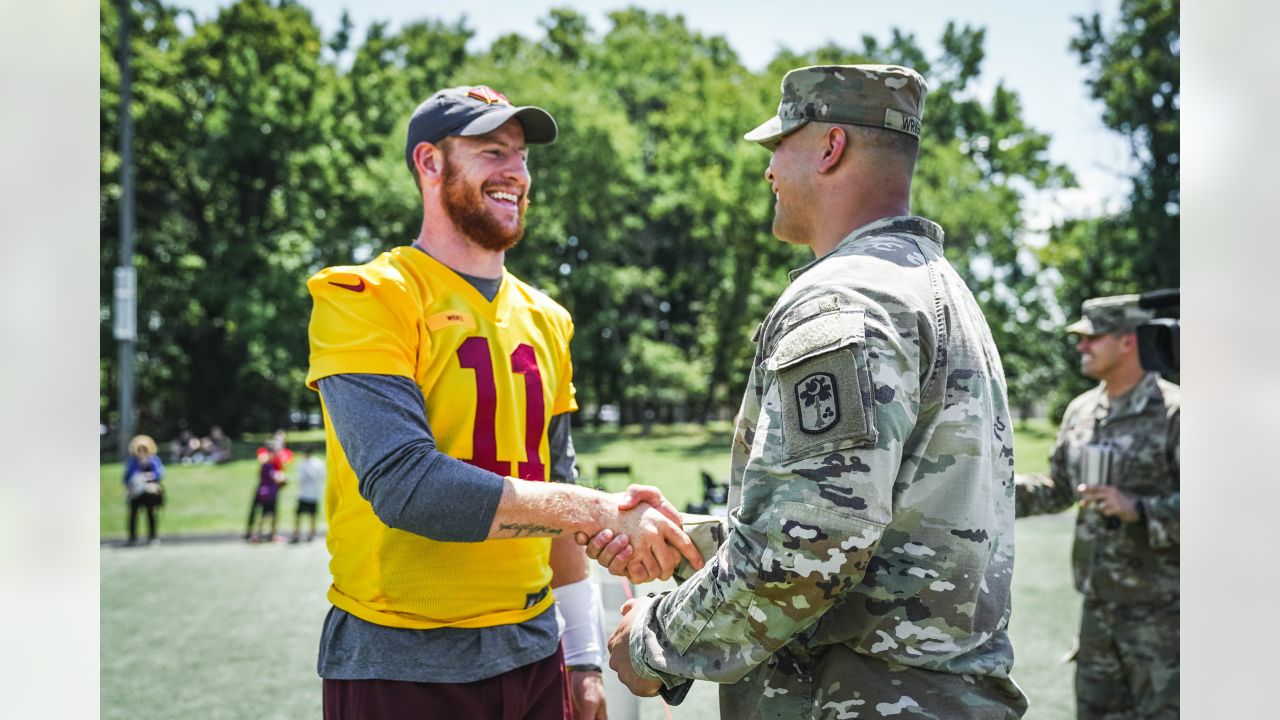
[519,529]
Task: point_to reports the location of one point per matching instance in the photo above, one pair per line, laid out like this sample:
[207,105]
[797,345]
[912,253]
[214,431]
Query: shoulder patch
[818,403]
[824,384]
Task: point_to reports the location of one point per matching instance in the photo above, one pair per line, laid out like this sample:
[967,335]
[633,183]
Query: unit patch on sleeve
[817,402]
[823,383]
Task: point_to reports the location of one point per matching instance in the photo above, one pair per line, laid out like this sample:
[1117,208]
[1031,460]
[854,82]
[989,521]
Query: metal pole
[126,312]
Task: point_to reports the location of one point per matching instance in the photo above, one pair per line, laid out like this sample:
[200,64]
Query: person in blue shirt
[142,474]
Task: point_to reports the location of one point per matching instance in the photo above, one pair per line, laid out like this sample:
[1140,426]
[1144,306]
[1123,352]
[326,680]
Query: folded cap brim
[539,127]
[1083,326]
[771,131]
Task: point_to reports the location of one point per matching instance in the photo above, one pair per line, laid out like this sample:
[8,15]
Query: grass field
[228,630]
[215,498]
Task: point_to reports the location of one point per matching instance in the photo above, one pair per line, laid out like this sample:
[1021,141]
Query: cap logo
[488,95]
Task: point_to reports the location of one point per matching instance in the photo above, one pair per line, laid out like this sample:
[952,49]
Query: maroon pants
[537,691]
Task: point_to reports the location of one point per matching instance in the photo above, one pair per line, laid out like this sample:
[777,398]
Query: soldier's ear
[1129,342]
[834,142]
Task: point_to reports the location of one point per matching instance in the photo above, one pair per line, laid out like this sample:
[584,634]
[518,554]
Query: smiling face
[792,184]
[485,186]
[1102,355]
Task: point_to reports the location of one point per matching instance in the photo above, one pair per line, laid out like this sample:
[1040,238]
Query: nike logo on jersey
[354,287]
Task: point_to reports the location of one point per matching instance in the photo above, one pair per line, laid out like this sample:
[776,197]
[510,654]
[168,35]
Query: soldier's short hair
[895,146]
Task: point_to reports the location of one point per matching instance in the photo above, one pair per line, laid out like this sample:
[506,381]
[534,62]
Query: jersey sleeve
[565,400]
[361,322]
[795,547]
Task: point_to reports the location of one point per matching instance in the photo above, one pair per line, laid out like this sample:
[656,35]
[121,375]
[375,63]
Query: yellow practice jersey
[492,375]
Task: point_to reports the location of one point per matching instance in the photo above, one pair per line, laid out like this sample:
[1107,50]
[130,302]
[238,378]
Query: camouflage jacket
[870,548]
[1128,562]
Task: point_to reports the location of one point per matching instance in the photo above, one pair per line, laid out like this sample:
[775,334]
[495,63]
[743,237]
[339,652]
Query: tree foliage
[266,151]
[1135,73]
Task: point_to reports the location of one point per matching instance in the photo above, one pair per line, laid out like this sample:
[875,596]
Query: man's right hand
[659,542]
[626,500]
[646,542]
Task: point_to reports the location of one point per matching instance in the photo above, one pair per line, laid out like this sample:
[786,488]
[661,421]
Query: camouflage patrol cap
[1115,313]
[881,96]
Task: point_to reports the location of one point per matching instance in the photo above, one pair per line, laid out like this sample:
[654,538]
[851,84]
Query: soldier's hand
[646,540]
[646,545]
[637,574]
[620,650]
[636,494]
[615,554]
[1109,501]
[658,541]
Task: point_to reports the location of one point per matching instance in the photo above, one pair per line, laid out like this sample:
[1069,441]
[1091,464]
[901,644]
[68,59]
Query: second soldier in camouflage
[1118,452]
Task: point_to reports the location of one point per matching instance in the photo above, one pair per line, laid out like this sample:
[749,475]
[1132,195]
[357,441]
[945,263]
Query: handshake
[649,539]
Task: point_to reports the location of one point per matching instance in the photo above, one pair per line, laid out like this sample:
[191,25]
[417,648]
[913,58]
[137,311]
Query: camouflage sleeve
[1047,493]
[816,496]
[1164,511]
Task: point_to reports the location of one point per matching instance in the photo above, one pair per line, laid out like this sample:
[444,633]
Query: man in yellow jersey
[446,384]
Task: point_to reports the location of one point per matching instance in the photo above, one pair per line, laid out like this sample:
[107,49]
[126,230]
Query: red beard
[464,204]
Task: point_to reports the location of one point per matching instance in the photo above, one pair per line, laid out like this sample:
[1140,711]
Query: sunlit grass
[229,630]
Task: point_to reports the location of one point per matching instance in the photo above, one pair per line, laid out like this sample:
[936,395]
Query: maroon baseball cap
[473,110]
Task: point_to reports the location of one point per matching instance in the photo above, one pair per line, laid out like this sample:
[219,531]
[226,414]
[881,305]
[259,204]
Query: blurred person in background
[143,472]
[310,480]
[1117,454]
[275,452]
[271,478]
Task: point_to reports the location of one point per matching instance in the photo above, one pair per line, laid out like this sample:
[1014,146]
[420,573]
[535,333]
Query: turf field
[228,630]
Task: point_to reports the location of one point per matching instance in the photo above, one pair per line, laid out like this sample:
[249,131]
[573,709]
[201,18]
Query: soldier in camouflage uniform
[1117,452]
[867,567]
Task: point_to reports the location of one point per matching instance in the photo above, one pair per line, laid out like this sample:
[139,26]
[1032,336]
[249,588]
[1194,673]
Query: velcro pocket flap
[816,334]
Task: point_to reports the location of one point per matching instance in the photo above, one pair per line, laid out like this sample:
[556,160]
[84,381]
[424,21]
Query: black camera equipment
[1158,339]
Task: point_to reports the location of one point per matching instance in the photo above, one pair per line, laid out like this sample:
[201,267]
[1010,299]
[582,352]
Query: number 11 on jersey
[474,355]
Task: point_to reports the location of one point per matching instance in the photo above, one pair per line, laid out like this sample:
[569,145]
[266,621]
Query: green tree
[634,207]
[260,160]
[238,160]
[1135,73]
[377,201]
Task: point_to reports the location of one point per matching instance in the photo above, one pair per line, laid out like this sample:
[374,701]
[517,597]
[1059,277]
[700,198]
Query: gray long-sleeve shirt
[381,422]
